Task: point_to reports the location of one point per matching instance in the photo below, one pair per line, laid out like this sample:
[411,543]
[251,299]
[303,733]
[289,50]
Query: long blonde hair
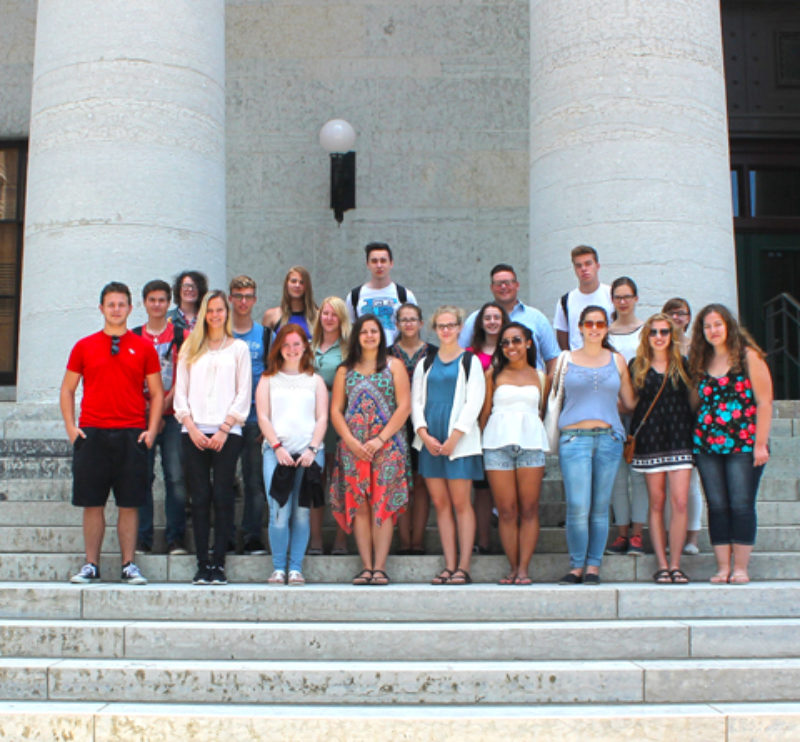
[642,363]
[197,343]
[309,307]
[340,308]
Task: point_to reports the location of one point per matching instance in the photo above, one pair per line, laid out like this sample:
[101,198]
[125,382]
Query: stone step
[399,603]
[401,682]
[545,567]
[128,722]
[373,641]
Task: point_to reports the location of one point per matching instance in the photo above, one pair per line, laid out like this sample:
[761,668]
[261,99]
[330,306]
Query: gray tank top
[591,394]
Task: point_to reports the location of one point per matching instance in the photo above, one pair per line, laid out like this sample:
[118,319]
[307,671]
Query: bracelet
[380,439]
[277,446]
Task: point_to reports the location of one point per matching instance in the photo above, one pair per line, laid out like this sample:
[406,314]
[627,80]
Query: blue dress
[438,405]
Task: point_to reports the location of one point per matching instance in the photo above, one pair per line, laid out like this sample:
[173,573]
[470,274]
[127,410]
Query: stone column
[126,177]
[629,148]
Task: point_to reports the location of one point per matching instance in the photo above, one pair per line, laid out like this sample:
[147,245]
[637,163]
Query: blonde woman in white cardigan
[447,397]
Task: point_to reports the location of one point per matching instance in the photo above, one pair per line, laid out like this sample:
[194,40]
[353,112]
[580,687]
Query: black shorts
[109,458]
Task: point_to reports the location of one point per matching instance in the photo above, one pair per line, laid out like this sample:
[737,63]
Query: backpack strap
[402,293]
[354,294]
[430,357]
[266,336]
[138,330]
[466,362]
[564,307]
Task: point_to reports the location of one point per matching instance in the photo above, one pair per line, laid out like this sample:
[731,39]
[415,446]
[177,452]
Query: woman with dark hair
[663,419]
[292,406]
[486,332]
[189,290]
[297,303]
[595,379]
[679,311]
[629,494]
[448,391]
[731,433]
[369,483]
[514,445]
[410,348]
[212,401]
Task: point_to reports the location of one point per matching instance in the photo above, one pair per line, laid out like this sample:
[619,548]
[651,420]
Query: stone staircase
[627,659]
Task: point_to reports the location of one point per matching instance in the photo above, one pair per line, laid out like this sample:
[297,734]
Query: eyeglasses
[114,345]
[243,297]
[679,313]
[656,331]
[446,325]
[503,284]
[516,340]
[624,297]
[188,287]
[600,324]
[407,320]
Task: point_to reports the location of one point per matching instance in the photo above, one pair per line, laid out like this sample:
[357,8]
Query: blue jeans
[169,440]
[289,526]
[730,482]
[588,466]
[252,476]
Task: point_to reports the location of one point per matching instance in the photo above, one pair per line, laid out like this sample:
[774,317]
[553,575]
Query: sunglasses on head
[600,324]
[663,331]
[516,340]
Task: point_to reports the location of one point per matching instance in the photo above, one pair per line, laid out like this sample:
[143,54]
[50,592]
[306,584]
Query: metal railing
[782,322]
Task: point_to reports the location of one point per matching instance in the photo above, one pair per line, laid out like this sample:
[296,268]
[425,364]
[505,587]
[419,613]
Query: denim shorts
[511,457]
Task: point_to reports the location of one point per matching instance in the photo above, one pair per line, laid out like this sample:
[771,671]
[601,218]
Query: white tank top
[293,409]
[515,420]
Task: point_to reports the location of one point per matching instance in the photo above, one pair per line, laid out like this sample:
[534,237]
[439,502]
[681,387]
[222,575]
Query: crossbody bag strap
[652,404]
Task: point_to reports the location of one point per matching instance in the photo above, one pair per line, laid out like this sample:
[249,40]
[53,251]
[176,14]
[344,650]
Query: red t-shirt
[113,384]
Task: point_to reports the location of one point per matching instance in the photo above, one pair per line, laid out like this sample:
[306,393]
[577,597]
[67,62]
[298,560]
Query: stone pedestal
[126,166]
[629,148]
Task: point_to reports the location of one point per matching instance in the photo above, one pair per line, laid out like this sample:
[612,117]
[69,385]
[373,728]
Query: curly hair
[737,341]
[642,363]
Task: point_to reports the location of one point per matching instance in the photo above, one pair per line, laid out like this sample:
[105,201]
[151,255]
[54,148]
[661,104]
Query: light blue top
[543,336]
[254,339]
[591,394]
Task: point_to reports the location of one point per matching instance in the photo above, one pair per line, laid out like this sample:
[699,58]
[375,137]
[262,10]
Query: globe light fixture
[337,137]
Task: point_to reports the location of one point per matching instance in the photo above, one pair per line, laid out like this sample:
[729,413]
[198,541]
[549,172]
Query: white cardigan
[467,404]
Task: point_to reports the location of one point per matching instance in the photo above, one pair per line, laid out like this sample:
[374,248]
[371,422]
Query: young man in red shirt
[110,441]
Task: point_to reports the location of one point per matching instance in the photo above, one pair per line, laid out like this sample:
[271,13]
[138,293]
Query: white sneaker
[691,549]
[89,573]
[132,575]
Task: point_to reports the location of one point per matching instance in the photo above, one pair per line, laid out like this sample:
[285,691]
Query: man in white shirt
[380,295]
[590,292]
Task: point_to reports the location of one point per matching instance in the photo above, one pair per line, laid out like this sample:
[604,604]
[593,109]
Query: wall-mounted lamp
[337,137]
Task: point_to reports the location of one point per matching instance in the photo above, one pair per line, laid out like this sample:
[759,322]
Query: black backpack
[466,360]
[402,296]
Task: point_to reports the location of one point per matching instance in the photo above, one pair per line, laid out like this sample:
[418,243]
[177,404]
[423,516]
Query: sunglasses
[114,345]
[600,324]
[516,340]
[663,331]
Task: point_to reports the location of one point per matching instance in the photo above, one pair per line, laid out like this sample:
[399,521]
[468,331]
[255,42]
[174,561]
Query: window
[12,196]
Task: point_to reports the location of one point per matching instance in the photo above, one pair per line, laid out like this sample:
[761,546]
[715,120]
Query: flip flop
[739,578]
[679,577]
[721,578]
[460,577]
[443,578]
[363,577]
[523,580]
[507,580]
[379,577]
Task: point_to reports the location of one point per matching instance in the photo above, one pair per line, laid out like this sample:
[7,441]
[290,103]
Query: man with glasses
[110,441]
[505,289]
[589,292]
[167,339]
[242,296]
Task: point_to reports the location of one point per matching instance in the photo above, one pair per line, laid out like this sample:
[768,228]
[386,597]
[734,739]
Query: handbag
[555,400]
[629,447]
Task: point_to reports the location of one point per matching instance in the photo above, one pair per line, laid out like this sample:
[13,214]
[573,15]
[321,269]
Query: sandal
[379,577]
[739,578]
[523,580]
[507,580]
[278,577]
[663,577]
[363,577]
[443,578]
[720,578]
[296,577]
[460,577]
[679,577]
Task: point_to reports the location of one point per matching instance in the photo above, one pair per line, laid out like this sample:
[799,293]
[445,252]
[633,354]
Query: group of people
[345,403]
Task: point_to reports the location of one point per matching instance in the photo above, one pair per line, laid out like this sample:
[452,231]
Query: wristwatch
[313,450]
